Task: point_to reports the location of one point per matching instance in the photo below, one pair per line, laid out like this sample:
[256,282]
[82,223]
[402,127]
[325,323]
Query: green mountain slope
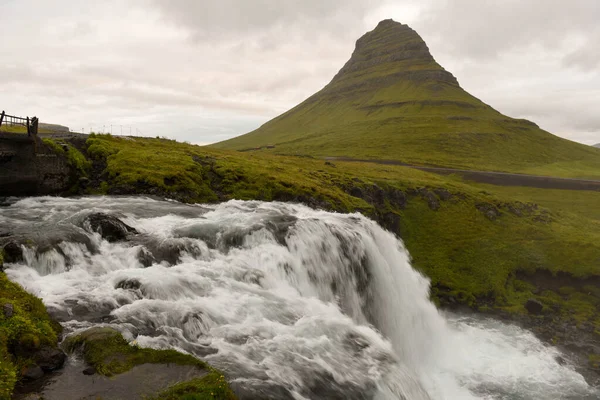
[393,101]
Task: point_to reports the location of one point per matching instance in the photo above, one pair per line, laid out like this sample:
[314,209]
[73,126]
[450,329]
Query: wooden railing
[30,123]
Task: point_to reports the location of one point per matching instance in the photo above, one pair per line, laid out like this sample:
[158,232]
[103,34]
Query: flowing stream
[290,302]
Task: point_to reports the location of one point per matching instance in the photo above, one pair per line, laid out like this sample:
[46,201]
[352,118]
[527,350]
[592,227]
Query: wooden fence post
[1,118]
[34,126]
[28,131]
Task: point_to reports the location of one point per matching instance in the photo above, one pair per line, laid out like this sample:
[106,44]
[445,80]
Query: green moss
[594,361]
[211,387]
[110,354]
[78,161]
[75,158]
[22,129]
[57,148]
[28,328]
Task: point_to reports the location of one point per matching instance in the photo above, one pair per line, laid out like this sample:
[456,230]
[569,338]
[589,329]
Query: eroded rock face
[109,227]
[389,43]
[30,168]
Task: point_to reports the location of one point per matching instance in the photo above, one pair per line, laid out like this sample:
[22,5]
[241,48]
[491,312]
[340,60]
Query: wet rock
[170,250]
[50,359]
[8,310]
[129,284]
[489,210]
[533,306]
[32,372]
[146,258]
[560,360]
[252,276]
[356,342]
[109,227]
[279,226]
[13,253]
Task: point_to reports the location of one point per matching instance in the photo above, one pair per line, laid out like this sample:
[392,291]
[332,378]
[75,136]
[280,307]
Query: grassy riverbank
[25,328]
[483,246]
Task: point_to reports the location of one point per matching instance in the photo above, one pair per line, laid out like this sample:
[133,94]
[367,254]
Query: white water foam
[290,302]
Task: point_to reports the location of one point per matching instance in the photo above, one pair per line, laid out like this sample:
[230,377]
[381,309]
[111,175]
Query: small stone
[89,371]
[534,306]
[129,284]
[8,310]
[32,372]
[84,182]
[560,360]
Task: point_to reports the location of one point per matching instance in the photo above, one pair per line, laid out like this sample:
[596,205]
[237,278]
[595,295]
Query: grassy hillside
[393,101]
[23,129]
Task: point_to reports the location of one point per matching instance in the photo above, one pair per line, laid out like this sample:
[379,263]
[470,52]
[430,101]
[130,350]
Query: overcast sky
[206,70]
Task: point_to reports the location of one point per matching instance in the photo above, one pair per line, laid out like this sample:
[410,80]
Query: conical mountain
[393,101]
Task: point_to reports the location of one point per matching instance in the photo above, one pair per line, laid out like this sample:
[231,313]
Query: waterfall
[290,302]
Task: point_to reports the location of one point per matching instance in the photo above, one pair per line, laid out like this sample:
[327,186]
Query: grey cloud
[476,28]
[231,18]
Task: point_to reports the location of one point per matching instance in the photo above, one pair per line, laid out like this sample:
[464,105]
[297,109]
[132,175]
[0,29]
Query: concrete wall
[28,167]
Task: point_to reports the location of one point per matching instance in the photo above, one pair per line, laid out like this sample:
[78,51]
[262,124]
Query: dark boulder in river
[13,252]
[109,227]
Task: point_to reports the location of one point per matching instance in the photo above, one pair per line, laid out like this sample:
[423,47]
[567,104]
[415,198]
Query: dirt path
[494,178]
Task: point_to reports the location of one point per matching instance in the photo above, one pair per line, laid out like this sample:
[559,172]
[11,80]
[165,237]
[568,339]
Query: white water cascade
[290,302]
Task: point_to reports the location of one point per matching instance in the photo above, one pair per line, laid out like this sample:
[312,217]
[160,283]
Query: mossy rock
[109,353]
[105,349]
[25,331]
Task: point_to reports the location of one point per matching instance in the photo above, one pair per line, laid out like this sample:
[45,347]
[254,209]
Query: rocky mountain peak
[395,48]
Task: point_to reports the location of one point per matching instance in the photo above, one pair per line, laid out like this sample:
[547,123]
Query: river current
[290,302]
